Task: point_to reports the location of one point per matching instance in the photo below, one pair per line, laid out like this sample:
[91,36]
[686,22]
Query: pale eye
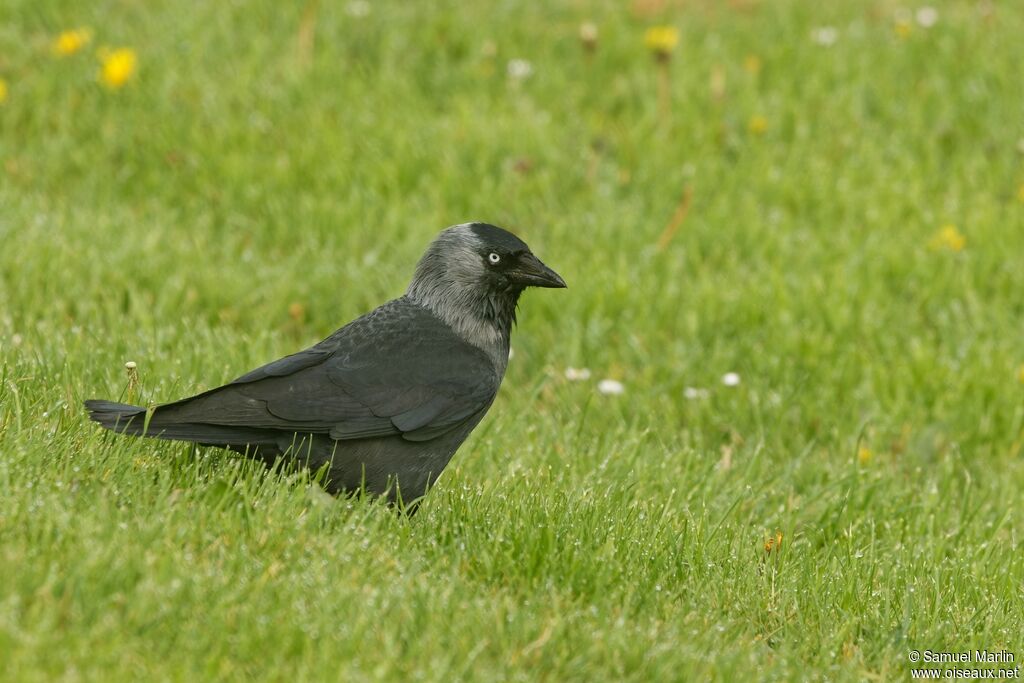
[493,258]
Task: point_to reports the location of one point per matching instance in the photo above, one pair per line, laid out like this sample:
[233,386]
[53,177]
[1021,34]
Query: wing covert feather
[396,371]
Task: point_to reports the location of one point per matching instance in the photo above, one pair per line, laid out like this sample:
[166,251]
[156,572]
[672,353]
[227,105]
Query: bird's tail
[162,424]
[118,417]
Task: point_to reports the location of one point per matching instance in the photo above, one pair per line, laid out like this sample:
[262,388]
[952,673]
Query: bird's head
[474,273]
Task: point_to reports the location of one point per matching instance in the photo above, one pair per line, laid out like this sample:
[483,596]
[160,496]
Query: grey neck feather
[449,281]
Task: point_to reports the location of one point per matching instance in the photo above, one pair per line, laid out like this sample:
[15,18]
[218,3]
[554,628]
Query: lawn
[795,235]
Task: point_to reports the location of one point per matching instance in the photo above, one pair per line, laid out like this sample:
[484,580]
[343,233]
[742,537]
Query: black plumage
[386,400]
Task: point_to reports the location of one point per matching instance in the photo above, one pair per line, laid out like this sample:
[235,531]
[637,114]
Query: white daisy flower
[611,387]
[519,69]
[358,8]
[731,379]
[825,35]
[695,393]
[927,16]
[577,374]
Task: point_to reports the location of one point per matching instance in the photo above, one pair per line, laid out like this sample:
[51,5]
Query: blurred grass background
[827,200]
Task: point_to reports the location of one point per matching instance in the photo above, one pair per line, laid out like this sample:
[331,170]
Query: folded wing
[397,371]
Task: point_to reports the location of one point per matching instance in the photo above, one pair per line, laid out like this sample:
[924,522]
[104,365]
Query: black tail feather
[119,417]
[128,419]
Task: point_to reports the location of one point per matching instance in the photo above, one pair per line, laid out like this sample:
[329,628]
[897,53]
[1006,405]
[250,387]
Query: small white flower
[358,8]
[519,69]
[927,16]
[130,365]
[16,340]
[577,374]
[695,393]
[610,387]
[825,35]
[731,379]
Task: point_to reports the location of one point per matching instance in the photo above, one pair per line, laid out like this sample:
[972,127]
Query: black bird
[385,401]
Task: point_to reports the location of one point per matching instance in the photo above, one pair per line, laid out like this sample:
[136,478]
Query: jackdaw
[384,402]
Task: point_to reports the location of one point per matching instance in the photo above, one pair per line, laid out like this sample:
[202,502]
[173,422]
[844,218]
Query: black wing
[396,371]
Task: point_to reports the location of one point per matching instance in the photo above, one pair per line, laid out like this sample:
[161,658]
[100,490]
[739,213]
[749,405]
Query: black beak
[530,272]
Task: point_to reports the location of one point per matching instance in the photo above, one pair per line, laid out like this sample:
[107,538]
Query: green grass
[269,154]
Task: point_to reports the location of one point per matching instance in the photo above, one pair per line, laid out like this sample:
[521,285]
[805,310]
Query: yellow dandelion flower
[70,42]
[3,91]
[752,64]
[948,238]
[117,66]
[757,124]
[661,40]
[1020,193]
[864,455]
[903,28]
[773,543]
